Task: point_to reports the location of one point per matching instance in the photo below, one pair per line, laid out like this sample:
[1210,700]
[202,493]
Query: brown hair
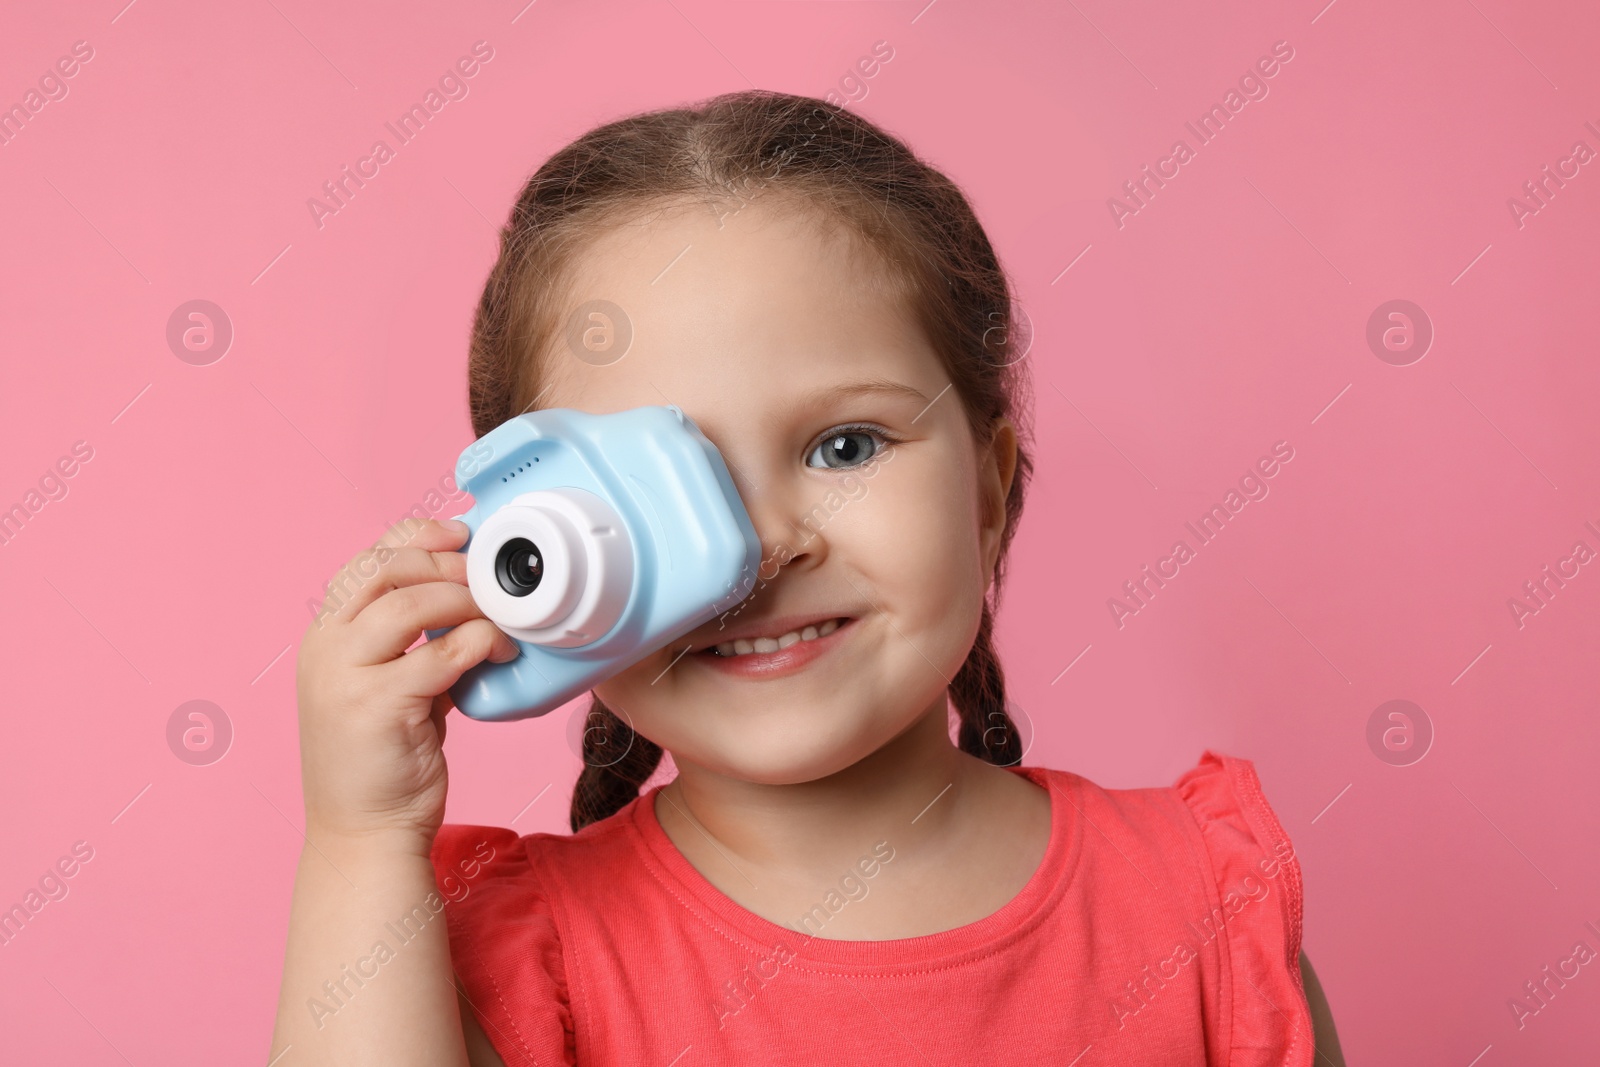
[823,159]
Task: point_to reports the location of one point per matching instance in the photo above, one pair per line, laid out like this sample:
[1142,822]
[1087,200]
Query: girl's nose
[781,508]
[786,542]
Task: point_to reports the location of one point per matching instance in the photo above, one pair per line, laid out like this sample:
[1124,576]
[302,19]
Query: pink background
[1228,314]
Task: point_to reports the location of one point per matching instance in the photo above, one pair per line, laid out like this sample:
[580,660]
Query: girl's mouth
[767,657]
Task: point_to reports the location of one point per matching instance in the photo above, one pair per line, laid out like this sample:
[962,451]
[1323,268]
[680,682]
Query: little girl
[827,878]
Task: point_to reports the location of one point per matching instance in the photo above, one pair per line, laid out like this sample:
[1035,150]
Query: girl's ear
[997,465]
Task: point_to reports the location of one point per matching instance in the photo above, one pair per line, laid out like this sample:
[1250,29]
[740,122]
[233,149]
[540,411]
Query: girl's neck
[771,824]
[953,822]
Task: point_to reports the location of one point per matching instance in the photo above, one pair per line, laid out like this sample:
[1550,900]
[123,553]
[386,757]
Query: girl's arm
[480,1053]
[367,975]
[1329,1054]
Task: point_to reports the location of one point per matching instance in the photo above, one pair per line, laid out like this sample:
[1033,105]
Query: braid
[616,762]
[979,693]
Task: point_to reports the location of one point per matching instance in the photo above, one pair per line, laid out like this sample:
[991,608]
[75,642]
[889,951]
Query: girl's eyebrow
[861,387]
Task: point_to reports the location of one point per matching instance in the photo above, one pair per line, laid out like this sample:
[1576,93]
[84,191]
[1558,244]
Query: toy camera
[595,540]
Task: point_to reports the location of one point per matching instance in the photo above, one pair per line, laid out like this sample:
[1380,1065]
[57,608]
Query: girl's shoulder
[1219,803]
[1196,875]
[491,875]
[472,855]
[507,900]
[1208,842]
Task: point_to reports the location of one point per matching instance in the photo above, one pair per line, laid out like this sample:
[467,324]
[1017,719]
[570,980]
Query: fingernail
[454,525]
[504,656]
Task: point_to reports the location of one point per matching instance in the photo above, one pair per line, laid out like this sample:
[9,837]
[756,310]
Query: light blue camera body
[595,540]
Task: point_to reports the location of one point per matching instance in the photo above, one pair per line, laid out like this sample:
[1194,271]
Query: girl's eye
[847,446]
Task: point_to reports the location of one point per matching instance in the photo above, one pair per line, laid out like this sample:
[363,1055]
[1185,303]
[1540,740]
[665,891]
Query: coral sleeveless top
[1161,928]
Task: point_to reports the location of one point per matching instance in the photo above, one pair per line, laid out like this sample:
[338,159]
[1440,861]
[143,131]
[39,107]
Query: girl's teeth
[743,647]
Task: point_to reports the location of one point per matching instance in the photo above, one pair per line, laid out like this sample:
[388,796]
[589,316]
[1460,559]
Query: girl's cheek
[853,487]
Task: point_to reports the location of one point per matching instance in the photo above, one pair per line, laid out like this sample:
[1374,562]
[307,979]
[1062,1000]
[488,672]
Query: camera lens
[518,566]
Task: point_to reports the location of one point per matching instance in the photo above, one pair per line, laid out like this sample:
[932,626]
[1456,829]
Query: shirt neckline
[985,937]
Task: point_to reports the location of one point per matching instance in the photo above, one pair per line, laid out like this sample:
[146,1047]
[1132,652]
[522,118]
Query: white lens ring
[589,565]
[563,558]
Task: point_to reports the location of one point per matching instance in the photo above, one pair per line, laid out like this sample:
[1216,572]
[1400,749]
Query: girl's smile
[762,657]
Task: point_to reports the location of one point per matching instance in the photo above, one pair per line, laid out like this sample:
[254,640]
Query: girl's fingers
[409,554]
[390,625]
[431,669]
[441,707]
[440,712]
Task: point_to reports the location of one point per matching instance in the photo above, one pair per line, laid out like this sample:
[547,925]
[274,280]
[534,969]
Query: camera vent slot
[519,470]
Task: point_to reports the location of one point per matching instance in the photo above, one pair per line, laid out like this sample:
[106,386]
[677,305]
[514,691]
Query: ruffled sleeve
[504,943]
[1256,912]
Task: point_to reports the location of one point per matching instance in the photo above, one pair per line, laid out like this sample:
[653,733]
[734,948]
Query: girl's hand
[372,715]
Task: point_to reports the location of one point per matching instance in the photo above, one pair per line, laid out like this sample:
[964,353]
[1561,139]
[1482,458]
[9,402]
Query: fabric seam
[576,984]
[1213,893]
[484,971]
[1229,998]
[1261,815]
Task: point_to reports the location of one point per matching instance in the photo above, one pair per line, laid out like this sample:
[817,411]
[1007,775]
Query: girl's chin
[771,759]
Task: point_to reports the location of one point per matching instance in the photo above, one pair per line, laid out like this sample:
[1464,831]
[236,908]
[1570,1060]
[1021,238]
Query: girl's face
[852,454]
